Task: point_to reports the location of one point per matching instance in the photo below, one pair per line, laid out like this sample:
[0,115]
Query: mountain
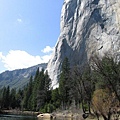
[19,78]
[88,27]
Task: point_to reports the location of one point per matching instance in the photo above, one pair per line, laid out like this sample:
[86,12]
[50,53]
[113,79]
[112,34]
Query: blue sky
[29,30]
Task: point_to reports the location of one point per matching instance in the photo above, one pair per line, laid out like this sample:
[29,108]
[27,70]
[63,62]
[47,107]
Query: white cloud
[1,55]
[48,49]
[17,59]
[19,20]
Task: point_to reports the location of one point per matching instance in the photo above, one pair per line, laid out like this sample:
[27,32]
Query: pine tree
[13,98]
[3,102]
[19,98]
[7,99]
[27,95]
[64,83]
[34,91]
[55,98]
[30,89]
[47,87]
[41,90]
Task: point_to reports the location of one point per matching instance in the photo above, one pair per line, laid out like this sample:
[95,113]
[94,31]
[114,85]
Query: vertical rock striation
[87,27]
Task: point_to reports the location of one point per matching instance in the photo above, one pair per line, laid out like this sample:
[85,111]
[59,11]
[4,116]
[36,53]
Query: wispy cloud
[17,59]
[48,49]
[19,20]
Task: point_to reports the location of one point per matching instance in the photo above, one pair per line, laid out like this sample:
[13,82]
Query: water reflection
[56,119]
[16,117]
[60,118]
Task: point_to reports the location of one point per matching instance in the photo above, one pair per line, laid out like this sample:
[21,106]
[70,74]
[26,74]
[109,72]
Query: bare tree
[104,103]
[83,84]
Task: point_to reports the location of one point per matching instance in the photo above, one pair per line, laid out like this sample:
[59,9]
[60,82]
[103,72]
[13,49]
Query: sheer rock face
[87,27]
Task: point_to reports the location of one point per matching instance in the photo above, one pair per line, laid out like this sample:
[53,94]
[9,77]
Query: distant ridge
[20,77]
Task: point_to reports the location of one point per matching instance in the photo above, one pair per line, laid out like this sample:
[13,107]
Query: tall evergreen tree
[19,98]
[27,95]
[64,83]
[7,99]
[30,89]
[3,102]
[34,91]
[55,98]
[13,98]
[41,90]
[47,86]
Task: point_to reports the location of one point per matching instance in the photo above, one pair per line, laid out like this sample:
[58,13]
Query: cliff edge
[87,27]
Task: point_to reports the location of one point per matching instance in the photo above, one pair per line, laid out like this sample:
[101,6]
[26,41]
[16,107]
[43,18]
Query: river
[16,117]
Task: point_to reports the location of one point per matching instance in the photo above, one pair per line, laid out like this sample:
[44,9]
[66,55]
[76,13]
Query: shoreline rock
[45,116]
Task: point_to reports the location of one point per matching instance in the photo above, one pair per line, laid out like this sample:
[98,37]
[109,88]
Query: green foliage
[13,98]
[108,72]
[10,99]
[37,93]
[56,98]
[77,86]
[64,83]
[48,108]
[34,96]
[26,103]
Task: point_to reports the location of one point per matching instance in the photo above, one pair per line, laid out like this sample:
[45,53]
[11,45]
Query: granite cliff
[87,27]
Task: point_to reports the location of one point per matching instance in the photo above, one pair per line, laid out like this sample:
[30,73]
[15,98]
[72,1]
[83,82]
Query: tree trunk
[83,108]
[89,107]
[104,117]
[108,117]
[97,115]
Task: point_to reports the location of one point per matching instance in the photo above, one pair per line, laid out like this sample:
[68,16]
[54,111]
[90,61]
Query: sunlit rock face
[87,27]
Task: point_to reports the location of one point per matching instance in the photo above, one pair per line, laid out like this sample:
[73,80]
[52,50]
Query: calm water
[16,117]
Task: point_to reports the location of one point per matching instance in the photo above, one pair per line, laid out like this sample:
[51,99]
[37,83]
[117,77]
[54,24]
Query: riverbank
[63,114]
[66,114]
[18,112]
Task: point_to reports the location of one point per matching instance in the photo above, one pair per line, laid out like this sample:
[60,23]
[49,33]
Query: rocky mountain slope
[87,27]
[19,78]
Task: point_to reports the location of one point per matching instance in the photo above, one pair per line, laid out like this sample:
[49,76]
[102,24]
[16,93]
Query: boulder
[45,116]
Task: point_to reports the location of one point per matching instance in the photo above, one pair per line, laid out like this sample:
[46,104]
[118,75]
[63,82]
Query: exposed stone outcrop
[87,27]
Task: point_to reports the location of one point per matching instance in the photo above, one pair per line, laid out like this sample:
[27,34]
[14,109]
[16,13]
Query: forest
[94,88]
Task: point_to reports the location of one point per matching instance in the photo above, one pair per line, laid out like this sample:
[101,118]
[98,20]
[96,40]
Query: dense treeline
[93,87]
[35,96]
[10,99]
